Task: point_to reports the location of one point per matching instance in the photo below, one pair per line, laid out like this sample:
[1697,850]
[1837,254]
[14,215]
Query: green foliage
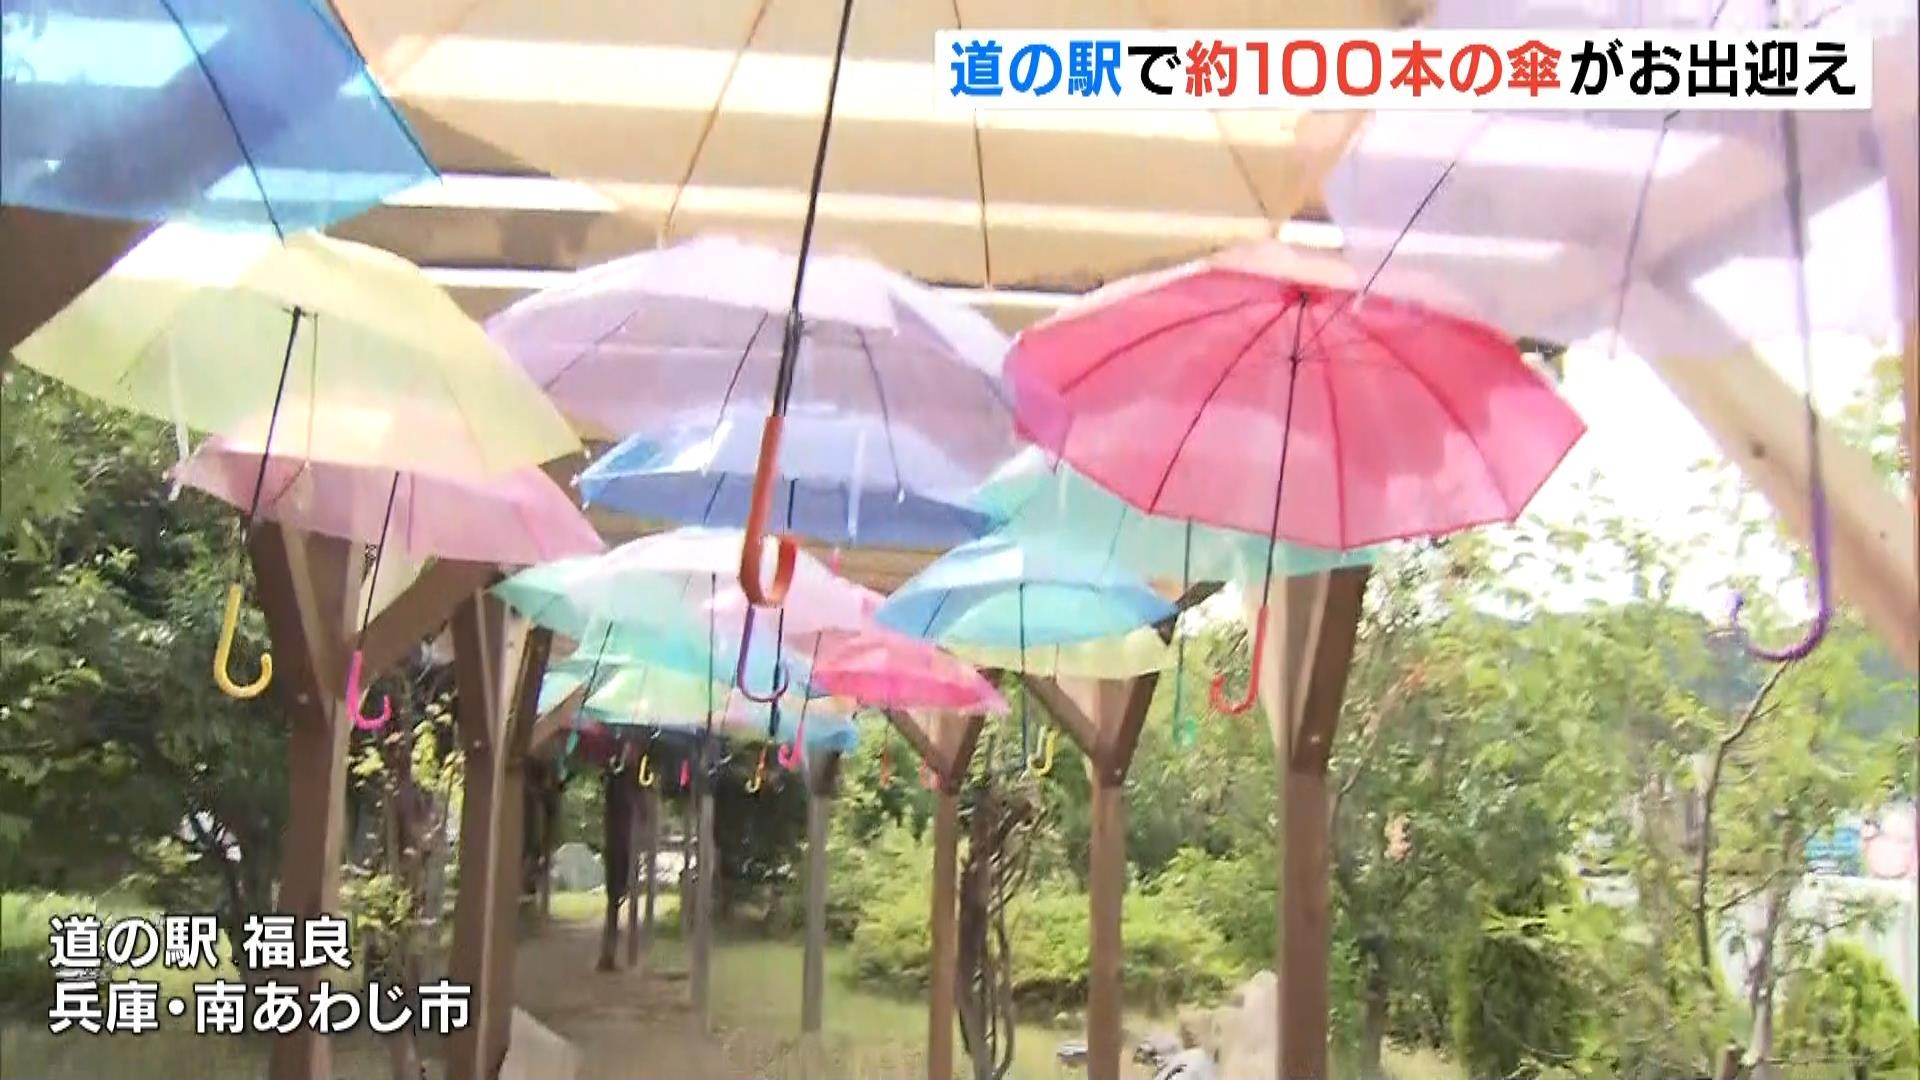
[1846,1016]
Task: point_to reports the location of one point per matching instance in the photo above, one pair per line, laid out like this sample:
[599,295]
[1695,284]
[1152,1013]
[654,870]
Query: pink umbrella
[516,518]
[887,670]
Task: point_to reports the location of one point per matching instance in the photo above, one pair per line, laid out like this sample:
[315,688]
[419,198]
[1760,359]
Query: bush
[1848,1017]
[1169,958]
[1233,894]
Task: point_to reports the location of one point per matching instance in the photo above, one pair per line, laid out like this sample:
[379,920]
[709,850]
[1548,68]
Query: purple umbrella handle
[1823,592]
[780,679]
[362,720]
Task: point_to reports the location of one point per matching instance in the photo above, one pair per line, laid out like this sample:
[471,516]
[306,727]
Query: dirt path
[627,1024]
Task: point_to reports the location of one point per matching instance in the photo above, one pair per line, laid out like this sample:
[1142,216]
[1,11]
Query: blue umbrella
[255,114]
[996,593]
[843,479]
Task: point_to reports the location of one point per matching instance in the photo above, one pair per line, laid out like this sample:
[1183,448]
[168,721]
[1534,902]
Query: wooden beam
[307,587]
[1068,709]
[526,651]
[55,258]
[650,859]
[555,720]
[1324,662]
[1756,420]
[421,610]
[701,961]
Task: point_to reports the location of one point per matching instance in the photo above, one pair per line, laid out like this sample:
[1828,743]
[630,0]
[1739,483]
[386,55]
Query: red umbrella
[1176,392]
[1276,392]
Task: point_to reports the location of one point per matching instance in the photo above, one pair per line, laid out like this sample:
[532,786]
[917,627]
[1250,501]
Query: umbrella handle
[1042,764]
[789,754]
[1217,692]
[644,775]
[759,505]
[928,778]
[780,677]
[759,778]
[1823,592]
[223,654]
[362,720]
[686,776]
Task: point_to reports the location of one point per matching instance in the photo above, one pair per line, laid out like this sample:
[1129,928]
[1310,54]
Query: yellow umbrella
[351,354]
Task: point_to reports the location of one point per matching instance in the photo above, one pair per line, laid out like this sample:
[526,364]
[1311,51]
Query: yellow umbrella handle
[645,773]
[223,654]
[759,774]
[1043,764]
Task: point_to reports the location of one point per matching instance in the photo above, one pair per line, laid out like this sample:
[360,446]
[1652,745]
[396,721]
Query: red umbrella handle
[789,754]
[362,720]
[759,505]
[928,778]
[1217,692]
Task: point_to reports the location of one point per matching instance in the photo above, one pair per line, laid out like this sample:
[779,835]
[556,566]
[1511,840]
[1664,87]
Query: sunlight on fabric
[680,79]
[127,53]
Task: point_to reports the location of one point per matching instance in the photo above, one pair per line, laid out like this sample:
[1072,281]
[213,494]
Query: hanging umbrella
[666,583]
[346,353]
[1390,417]
[996,593]
[847,479]
[258,115]
[393,374]
[516,518]
[1122,656]
[664,699]
[697,645]
[884,670]
[1057,506]
[1669,235]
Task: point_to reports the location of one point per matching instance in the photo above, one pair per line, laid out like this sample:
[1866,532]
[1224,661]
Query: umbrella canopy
[892,671]
[696,646]
[702,117]
[258,115]
[346,353]
[1671,234]
[517,518]
[1057,506]
[1122,656]
[999,594]
[1255,391]
[849,479]
[659,698]
[693,334]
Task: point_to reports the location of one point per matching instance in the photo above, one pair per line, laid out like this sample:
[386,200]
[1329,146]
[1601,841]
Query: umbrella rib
[886,418]
[706,126]
[739,368]
[1233,365]
[588,349]
[1333,439]
[1446,407]
[1181,323]
[226,110]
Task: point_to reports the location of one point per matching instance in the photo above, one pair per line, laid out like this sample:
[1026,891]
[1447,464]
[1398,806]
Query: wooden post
[1104,718]
[1310,634]
[822,775]
[946,749]
[308,587]
[495,721]
[650,866]
[944,926]
[700,957]
[67,253]
[635,835]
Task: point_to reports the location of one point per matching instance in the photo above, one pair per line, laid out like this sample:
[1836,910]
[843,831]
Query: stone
[577,869]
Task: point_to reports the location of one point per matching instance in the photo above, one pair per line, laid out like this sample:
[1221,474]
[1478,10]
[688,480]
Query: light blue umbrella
[1058,507]
[1000,593]
[256,115]
[639,695]
[843,478]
